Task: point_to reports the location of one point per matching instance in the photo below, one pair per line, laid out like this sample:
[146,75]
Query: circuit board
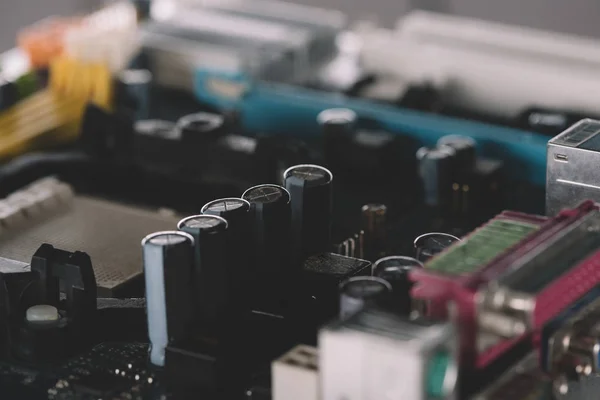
[234,200]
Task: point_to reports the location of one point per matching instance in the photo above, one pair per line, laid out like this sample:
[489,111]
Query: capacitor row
[201,275]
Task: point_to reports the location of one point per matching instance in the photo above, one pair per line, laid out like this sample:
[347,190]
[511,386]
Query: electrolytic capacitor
[430,244]
[337,121]
[337,124]
[359,292]
[374,227]
[395,270]
[156,142]
[436,168]
[310,187]
[464,148]
[209,279]
[240,259]
[168,264]
[235,210]
[200,128]
[270,205]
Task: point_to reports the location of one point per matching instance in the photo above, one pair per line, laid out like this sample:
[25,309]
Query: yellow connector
[85,81]
[35,117]
[55,113]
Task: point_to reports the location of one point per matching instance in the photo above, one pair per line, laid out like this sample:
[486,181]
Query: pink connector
[439,289]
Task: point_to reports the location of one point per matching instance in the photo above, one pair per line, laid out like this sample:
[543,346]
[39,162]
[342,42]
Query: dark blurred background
[573,16]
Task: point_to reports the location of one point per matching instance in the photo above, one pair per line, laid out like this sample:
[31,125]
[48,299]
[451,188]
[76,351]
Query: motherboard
[256,200]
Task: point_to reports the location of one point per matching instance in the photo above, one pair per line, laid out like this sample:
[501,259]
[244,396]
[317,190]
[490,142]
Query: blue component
[558,322]
[281,109]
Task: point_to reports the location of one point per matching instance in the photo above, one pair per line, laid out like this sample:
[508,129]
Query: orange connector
[43,41]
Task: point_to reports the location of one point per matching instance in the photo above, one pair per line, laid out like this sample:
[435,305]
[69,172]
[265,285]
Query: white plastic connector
[26,202]
[10,216]
[376,355]
[50,193]
[295,375]
[108,36]
[490,67]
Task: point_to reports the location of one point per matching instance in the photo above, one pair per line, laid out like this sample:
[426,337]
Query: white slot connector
[295,375]
[489,67]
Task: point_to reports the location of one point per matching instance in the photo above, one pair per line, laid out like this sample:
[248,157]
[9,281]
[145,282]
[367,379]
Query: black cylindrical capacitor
[430,244]
[156,143]
[209,280]
[200,128]
[235,210]
[436,168]
[310,187]
[168,264]
[271,211]
[464,148]
[394,270]
[337,121]
[359,292]
[240,259]
[375,229]
[337,124]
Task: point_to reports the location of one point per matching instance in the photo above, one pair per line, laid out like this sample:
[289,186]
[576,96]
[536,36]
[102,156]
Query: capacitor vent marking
[364,287]
[310,173]
[265,194]
[224,205]
[166,238]
[200,122]
[394,264]
[202,222]
[430,244]
[441,240]
[158,128]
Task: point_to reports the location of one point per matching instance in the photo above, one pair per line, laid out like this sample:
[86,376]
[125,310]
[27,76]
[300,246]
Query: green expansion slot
[481,247]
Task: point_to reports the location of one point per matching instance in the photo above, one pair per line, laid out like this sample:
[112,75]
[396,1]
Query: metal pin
[352,252]
[361,246]
[374,226]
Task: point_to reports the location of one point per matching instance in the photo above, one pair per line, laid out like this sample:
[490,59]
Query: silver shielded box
[573,167]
